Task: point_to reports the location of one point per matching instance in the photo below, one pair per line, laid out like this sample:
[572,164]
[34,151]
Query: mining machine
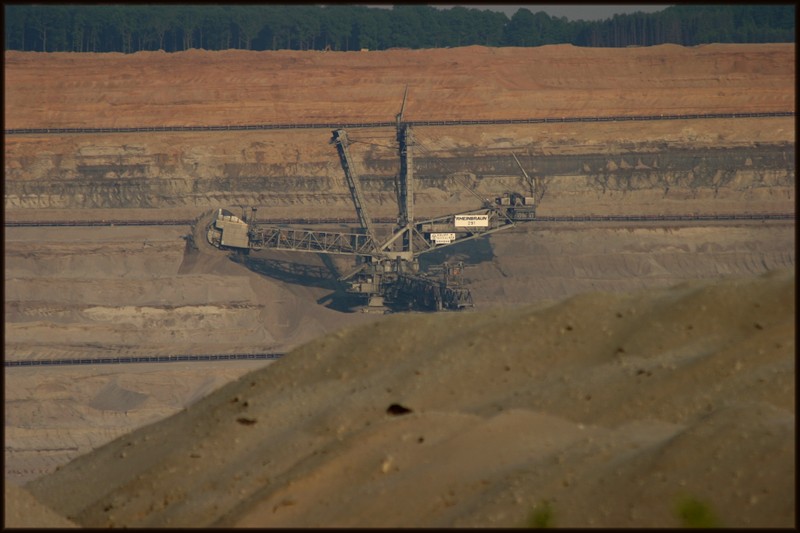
[387,272]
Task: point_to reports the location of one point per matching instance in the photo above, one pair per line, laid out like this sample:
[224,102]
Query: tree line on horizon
[341,27]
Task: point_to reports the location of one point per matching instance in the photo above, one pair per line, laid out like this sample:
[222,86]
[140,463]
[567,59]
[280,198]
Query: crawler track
[142,359]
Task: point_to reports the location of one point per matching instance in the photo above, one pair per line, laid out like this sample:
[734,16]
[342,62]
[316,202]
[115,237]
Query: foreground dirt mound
[122,291]
[23,510]
[604,410]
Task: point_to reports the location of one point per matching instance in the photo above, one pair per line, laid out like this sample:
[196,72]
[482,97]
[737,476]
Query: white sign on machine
[472,221]
[443,238]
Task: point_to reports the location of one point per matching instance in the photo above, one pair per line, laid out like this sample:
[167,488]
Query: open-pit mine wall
[628,166]
[291,174]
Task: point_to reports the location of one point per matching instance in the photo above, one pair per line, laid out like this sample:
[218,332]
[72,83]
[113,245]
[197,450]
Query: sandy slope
[23,510]
[142,291]
[615,409]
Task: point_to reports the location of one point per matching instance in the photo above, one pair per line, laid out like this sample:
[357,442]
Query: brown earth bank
[609,410]
[201,87]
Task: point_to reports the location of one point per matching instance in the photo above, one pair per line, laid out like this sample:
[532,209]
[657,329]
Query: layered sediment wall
[199,174]
[297,172]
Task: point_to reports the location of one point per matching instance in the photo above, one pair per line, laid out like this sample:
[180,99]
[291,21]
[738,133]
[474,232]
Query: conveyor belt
[393,124]
[140,359]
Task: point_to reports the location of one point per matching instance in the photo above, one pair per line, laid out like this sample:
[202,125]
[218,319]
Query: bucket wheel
[204,235]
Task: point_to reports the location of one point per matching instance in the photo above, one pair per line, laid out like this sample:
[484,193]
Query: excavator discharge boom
[387,271]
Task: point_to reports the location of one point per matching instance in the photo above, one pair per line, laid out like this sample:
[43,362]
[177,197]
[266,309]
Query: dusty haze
[580,380]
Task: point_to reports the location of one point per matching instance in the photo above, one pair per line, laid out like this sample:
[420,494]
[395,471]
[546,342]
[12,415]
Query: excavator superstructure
[387,272]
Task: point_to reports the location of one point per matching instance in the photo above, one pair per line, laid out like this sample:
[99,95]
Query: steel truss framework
[389,270]
[300,240]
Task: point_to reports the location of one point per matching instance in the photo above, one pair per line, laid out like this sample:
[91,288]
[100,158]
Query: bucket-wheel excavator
[387,273]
